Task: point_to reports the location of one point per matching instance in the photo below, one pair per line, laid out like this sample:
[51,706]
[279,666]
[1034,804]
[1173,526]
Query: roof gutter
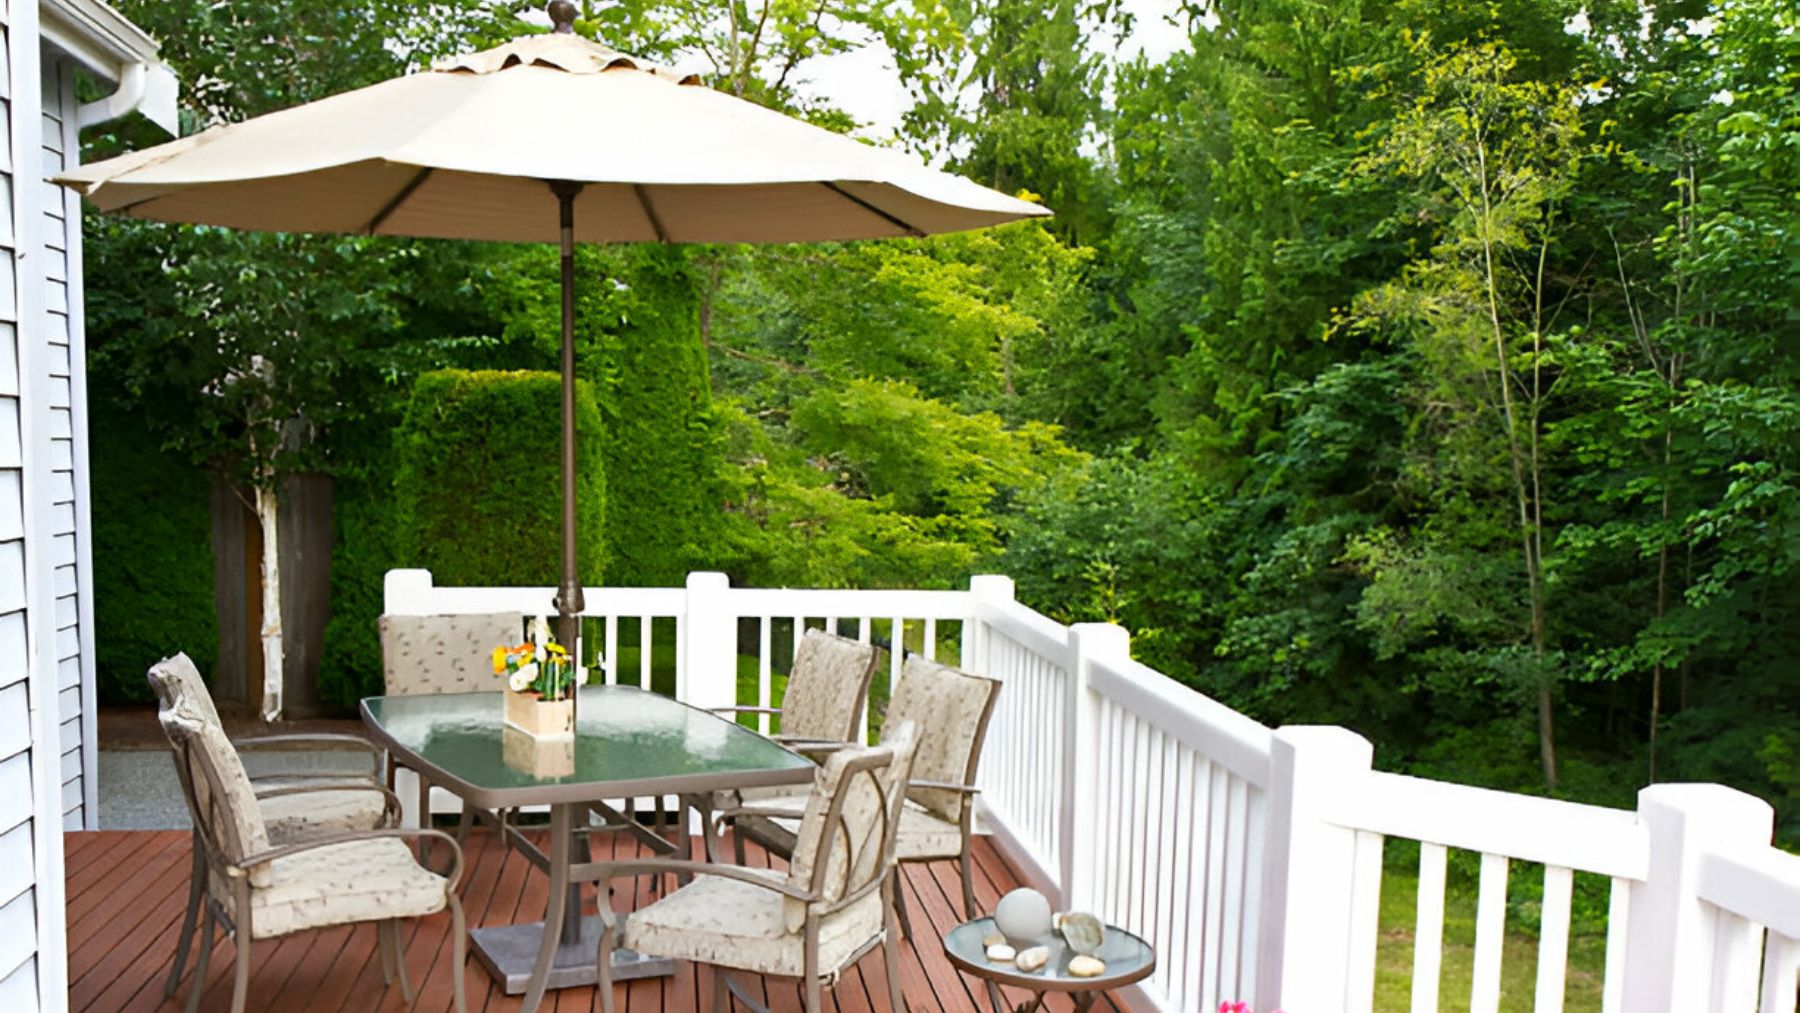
[110,47]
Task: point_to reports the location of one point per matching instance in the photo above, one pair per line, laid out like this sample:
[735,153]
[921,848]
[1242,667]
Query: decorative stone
[1023,916]
[1000,953]
[1032,959]
[992,939]
[1085,966]
[1082,931]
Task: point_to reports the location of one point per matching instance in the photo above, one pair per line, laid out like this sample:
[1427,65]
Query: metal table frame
[560,951]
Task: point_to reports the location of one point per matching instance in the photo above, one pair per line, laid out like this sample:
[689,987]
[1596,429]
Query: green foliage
[152,551]
[478,479]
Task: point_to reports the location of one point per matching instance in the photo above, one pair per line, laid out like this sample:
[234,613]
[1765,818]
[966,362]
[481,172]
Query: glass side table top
[1128,959]
[627,741]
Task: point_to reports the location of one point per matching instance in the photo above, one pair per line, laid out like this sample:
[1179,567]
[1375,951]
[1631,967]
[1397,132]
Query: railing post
[406,592]
[709,653]
[1088,643]
[1303,941]
[986,587]
[1670,940]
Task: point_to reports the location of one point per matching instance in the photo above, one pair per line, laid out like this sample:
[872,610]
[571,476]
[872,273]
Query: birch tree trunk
[267,514]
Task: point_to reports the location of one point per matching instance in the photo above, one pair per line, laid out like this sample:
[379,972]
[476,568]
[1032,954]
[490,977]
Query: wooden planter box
[540,719]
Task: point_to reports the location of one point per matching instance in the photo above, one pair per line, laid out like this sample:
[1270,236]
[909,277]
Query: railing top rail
[1205,725]
[1586,838]
[1762,885]
[655,602]
[1029,628]
[881,602]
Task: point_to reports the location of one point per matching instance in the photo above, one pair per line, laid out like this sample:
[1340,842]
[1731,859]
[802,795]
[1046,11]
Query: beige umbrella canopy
[547,138]
[462,152]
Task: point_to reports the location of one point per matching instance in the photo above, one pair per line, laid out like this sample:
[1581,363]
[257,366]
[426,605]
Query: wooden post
[1089,642]
[709,654]
[1670,944]
[1303,941]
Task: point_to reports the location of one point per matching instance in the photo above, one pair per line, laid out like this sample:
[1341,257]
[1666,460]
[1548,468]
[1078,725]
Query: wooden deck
[126,890]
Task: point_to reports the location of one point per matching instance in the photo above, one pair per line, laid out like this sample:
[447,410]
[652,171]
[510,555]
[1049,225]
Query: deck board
[127,889]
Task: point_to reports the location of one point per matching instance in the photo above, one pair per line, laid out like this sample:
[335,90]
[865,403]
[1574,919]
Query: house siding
[46,677]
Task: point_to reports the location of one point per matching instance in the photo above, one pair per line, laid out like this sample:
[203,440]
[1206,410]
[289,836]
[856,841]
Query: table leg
[1084,1001]
[1037,1000]
[555,908]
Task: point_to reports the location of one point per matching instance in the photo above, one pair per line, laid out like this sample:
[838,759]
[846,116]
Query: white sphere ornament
[1023,915]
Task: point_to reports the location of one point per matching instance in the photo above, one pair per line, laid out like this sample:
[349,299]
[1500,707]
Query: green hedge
[477,479]
[153,561]
[662,453]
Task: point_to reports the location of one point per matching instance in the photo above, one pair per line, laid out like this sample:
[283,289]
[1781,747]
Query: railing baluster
[765,668]
[929,646]
[1781,970]
[611,664]
[1230,941]
[1215,883]
[1618,917]
[1365,923]
[646,650]
[1428,929]
[1490,934]
[1553,938]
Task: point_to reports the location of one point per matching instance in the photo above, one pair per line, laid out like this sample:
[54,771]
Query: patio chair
[256,890]
[294,806]
[424,655]
[951,710]
[831,906]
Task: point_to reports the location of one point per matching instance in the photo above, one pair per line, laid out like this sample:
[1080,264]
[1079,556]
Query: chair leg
[196,878]
[737,842]
[459,951]
[968,878]
[603,959]
[721,991]
[240,986]
[385,945]
[463,823]
[890,956]
[810,962]
[406,990]
[900,904]
[200,961]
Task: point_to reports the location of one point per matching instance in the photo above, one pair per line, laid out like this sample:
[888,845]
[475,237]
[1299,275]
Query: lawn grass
[1518,963]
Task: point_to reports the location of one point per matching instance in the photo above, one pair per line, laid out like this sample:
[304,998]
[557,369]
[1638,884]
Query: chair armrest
[453,876]
[390,813]
[966,789]
[603,872]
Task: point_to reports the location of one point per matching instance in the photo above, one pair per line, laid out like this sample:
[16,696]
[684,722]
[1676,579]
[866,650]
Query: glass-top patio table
[628,743]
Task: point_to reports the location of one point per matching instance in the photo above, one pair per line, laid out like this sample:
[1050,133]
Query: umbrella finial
[562,16]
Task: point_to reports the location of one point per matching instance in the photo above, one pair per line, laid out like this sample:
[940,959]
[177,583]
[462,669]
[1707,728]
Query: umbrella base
[509,952]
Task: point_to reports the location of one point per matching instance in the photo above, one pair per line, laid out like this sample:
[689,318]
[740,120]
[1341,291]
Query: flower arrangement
[541,676]
[1238,1007]
[541,667]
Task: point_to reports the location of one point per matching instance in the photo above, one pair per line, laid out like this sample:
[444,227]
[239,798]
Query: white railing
[1251,858]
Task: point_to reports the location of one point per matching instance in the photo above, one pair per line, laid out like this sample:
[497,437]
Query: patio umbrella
[549,138]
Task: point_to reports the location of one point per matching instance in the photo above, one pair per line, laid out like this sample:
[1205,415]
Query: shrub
[153,561]
[662,453]
[478,483]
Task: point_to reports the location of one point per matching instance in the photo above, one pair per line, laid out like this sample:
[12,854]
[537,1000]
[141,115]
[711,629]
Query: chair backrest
[951,710]
[827,687]
[220,798]
[845,845]
[424,655]
[176,679]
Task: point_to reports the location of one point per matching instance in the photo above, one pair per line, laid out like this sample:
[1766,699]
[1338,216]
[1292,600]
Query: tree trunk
[267,515]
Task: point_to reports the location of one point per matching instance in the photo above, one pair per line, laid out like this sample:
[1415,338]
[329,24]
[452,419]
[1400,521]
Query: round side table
[1128,959]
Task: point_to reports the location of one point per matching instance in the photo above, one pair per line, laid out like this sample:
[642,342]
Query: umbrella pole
[569,598]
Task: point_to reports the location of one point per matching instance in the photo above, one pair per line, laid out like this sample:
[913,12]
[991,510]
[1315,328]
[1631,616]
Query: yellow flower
[499,661]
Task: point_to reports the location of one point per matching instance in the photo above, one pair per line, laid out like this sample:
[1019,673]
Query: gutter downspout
[149,88]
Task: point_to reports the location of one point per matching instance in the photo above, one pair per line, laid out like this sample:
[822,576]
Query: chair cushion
[343,883]
[740,926]
[289,819]
[444,654]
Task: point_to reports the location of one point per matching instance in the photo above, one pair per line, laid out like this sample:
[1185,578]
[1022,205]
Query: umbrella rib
[656,224]
[894,220]
[406,191]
